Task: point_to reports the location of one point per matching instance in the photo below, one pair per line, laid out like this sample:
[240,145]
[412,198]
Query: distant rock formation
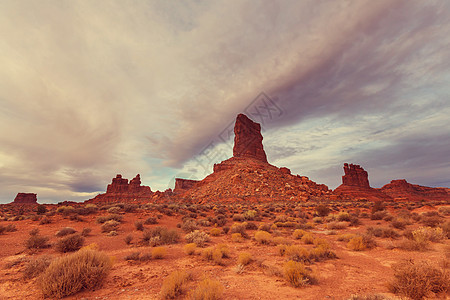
[355,185]
[182,185]
[355,175]
[248,139]
[25,198]
[400,189]
[120,190]
[247,176]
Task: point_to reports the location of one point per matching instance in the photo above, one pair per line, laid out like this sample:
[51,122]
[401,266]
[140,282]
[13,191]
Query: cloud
[91,89]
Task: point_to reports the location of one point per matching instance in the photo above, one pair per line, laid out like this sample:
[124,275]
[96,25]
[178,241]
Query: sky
[90,89]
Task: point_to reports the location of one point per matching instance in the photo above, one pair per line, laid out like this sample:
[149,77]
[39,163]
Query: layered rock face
[120,190]
[355,185]
[247,176]
[355,175]
[182,185]
[248,139]
[25,198]
[402,190]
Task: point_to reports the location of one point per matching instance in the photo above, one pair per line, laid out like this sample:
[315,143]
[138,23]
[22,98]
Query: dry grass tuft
[67,275]
[207,289]
[296,274]
[173,285]
[419,280]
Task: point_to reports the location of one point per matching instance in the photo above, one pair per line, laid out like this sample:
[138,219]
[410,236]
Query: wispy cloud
[90,89]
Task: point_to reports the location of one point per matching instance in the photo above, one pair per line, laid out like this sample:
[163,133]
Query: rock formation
[248,139]
[247,176]
[182,185]
[25,198]
[402,190]
[355,176]
[355,185]
[121,191]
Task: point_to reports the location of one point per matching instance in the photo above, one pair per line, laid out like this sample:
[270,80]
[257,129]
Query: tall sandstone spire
[248,139]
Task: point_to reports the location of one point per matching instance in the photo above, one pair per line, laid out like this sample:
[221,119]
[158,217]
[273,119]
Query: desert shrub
[65,231]
[360,243]
[378,215]
[189,225]
[69,243]
[215,231]
[36,241]
[446,228]
[346,237]
[281,240]
[431,221]
[41,209]
[159,252]
[11,228]
[343,216]
[224,250]
[151,221]
[160,236]
[337,225]
[67,275]
[86,231]
[65,210]
[378,206]
[244,258]
[207,289]
[115,217]
[382,232]
[217,256]
[307,238]
[399,223]
[239,228]
[208,253]
[322,210]
[264,227]
[146,256]
[318,220]
[190,248]
[174,284]
[251,226]
[110,225]
[298,234]
[250,215]
[114,210]
[322,251]
[45,220]
[238,218]
[263,237]
[444,210]
[296,253]
[133,256]
[354,221]
[296,274]
[139,225]
[428,234]
[127,239]
[419,280]
[36,266]
[200,238]
[236,237]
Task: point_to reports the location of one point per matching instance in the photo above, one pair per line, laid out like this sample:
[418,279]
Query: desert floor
[365,272]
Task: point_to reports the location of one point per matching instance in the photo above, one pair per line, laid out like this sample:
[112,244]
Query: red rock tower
[248,139]
[25,198]
[355,175]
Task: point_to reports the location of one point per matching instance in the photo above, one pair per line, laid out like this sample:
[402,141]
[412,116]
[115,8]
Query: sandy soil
[352,272]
